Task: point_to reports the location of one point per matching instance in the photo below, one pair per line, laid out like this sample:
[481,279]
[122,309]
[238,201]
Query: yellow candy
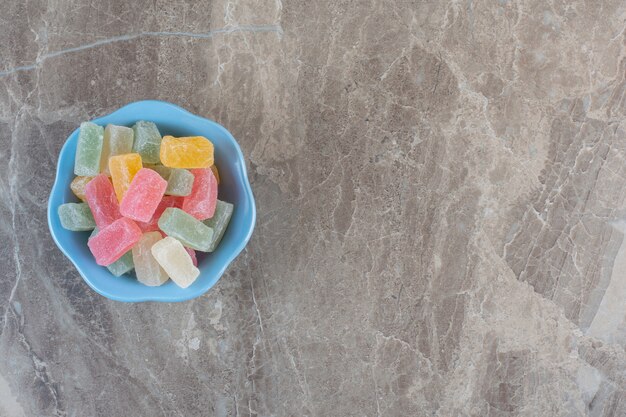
[78,186]
[123,169]
[186,152]
[216,173]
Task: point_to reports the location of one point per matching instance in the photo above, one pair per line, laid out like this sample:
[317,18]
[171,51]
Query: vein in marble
[123,38]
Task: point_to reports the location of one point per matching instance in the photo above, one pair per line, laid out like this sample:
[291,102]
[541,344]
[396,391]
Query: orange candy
[123,169]
[78,186]
[186,152]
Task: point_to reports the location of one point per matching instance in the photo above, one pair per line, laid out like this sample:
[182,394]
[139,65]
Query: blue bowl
[234,188]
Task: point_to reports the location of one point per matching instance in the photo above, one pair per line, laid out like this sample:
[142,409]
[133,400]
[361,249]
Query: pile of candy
[151,201]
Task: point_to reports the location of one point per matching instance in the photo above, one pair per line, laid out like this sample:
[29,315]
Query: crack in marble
[256,306]
[14,198]
[375,390]
[42,373]
[17,280]
[122,38]
[300,376]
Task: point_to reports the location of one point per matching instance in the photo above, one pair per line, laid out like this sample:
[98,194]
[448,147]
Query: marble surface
[441,213]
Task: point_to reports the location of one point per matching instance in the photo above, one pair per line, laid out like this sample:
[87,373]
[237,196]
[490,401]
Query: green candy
[179,182]
[162,170]
[118,140]
[88,150]
[121,266]
[76,217]
[191,232]
[219,222]
[147,142]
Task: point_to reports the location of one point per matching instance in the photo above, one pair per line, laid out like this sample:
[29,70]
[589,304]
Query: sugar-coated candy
[219,222]
[118,140]
[192,253]
[143,195]
[88,149]
[216,173]
[161,169]
[123,169]
[166,201]
[200,203]
[173,258]
[147,269]
[184,227]
[179,182]
[76,217]
[112,242]
[147,141]
[102,201]
[186,152]
[121,266]
[78,186]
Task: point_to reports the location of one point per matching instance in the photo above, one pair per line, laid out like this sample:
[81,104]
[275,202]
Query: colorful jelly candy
[203,198]
[88,149]
[76,217]
[173,258]
[147,269]
[153,224]
[112,242]
[186,152]
[161,169]
[147,141]
[118,140]
[219,222]
[143,195]
[157,187]
[102,201]
[78,186]
[190,231]
[123,169]
[121,266]
[179,182]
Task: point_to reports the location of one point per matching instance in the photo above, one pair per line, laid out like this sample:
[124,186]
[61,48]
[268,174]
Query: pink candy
[167,201]
[203,198]
[143,196]
[114,241]
[192,253]
[102,201]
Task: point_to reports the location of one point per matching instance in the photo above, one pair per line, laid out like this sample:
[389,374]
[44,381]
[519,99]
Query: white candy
[175,260]
[148,270]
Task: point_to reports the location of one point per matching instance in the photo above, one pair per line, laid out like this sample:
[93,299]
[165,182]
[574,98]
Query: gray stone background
[440,193]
